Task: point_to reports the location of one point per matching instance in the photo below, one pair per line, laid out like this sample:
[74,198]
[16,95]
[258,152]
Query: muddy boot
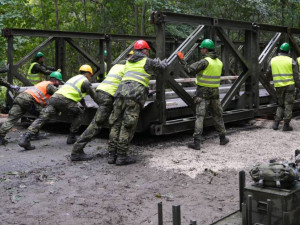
[124,160]
[3,141]
[223,140]
[25,142]
[71,139]
[195,145]
[81,157]
[275,124]
[112,157]
[287,127]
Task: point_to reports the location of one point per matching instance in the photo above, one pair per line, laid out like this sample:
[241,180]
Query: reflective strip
[210,77]
[34,75]
[109,82]
[282,81]
[208,82]
[114,76]
[135,76]
[282,75]
[137,73]
[76,88]
[39,95]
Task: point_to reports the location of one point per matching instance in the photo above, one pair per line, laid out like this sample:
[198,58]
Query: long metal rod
[160,213]
[176,215]
[241,187]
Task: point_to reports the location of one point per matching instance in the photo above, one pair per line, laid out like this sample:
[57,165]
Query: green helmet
[207,43]
[57,75]
[105,53]
[38,55]
[285,47]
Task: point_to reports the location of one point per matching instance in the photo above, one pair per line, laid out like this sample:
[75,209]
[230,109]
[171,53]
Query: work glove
[14,87]
[58,70]
[180,55]
[164,63]
[7,67]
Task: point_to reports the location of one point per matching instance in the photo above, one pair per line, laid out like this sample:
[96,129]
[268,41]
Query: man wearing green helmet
[37,71]
[32,101]
[284,72]
[208,75]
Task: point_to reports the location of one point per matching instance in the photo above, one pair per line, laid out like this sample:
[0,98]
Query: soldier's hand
[164,63]
[58,70]
[180,55]
[14,87]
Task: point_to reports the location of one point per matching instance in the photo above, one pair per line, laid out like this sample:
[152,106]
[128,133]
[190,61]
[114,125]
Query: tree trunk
[56,15]
[136,16]
[43,14]
[143,18]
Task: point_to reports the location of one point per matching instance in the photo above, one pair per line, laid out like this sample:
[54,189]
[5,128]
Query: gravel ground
[43,187]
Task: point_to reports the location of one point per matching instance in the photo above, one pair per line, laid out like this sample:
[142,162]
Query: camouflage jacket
[41,68]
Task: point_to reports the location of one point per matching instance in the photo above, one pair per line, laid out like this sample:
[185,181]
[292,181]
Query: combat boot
[223,140]
[25,142]
[81,157]
[287,127]
[112,157]
[276,124]
[3,141]
[71,139]
[124,160]
[195,145]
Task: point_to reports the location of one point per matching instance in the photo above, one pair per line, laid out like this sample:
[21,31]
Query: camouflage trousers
[285,99]
[56,105]
[123,121]
[105,102]
[216,110]
[22,104]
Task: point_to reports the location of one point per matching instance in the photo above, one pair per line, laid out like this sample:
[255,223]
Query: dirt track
[43,187]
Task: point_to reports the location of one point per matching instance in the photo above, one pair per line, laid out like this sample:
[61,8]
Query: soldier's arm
[194,68]
[154,66]
[41,69]
[4,83]
[269,73]
[51,89]
[87,88]
[50,68]
[296,73]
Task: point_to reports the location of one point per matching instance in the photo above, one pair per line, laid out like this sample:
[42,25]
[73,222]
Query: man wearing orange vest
[64,100]
[32,100]
[208,75]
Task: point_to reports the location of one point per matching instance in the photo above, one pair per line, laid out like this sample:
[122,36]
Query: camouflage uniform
[285,95]
[105,102]
[129,100]
[41,68]
[205,98]
[58,103]
[23,103]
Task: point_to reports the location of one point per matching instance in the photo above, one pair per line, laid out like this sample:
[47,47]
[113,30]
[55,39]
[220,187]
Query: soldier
[208,71]
[37,71]
[64,100]
[129,100]
[105,95]
[5,83]
[284,71]
[32,100]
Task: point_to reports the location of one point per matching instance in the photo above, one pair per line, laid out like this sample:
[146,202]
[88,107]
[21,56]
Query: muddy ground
[43,187]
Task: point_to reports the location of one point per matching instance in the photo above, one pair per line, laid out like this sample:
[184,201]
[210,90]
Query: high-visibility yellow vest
[282,71]
[298,60]
[135,71]
[72,88]
[34,77]
[39,92]
[211,76]
[112,80]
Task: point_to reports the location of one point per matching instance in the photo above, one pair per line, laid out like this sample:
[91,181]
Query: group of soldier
[122,95]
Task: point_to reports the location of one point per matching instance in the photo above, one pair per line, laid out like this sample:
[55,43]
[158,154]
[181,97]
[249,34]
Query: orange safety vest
[39,92]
